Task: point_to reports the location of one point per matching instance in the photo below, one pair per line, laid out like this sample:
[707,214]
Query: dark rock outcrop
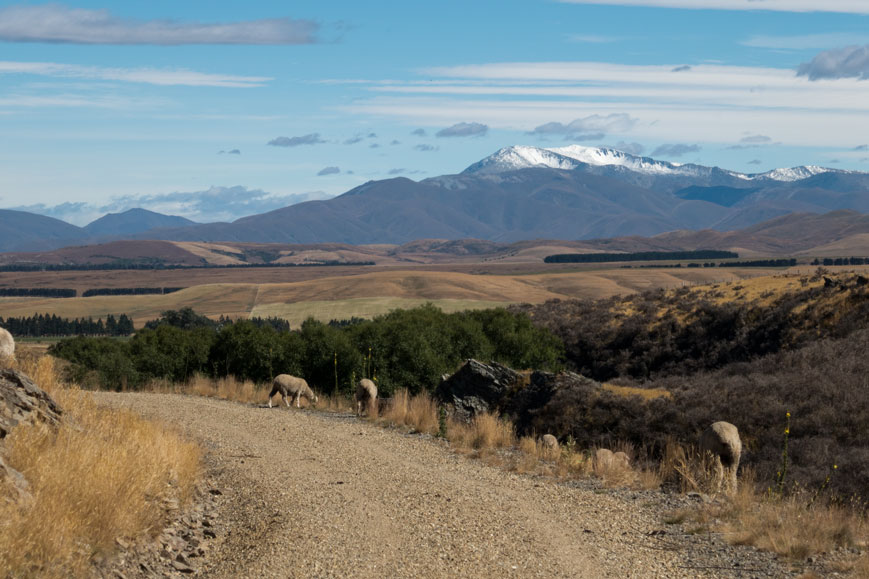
[477,388]
[537,407]
[23,401]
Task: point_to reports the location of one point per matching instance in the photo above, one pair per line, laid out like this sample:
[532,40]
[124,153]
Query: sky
[215,110]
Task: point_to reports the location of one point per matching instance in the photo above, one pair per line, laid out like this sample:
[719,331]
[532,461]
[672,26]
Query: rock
[540,406]
[477,388]
[9,477]
[23,401]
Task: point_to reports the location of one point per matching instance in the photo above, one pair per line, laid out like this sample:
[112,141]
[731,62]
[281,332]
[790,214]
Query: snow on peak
[573,156]
[792,174]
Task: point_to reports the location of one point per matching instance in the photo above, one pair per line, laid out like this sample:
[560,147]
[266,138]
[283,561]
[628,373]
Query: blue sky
[216,110]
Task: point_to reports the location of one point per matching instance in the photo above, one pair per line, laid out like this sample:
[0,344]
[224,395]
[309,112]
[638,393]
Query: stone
[477,388]
[22,401]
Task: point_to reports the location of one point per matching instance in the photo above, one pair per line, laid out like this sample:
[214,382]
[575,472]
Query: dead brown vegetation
[103,474]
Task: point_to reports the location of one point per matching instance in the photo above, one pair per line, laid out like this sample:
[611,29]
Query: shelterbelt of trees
[404,349]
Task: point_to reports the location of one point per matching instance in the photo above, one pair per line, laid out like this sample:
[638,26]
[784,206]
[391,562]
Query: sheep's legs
[297,398]
[272,394]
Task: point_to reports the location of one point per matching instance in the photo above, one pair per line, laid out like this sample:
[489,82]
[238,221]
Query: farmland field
[341,292]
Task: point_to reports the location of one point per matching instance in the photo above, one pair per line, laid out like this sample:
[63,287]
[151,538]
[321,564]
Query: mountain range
[518,193]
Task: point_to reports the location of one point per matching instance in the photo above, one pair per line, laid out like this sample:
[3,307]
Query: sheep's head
[314,399]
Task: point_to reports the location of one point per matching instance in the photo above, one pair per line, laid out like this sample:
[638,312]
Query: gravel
[295,493]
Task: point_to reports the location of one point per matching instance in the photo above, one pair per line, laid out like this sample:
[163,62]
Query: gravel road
[308,494]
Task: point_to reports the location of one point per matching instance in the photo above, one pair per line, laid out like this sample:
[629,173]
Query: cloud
[861,148]
[328,171]
[404,172]
[683,68]
[755,139]
[589,128]
[631,148]
[755,162]
[848,62]
[395,142]
[464,130]
[214,204]
[374,146]
[752,142]
[160,77]
[230,152]
[425,148]
[846,6]
[805,41]
[53,23]
[675,150]
[419,133]
[353,140]
[310,139]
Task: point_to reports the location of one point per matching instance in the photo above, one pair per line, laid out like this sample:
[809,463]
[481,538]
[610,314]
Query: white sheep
[7,345]
[366,395]
[722,441]
[292,386]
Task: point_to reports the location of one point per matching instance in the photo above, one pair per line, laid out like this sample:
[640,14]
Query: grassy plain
[341,292]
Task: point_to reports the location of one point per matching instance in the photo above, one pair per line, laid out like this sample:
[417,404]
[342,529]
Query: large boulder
[23,401]
[552,402]
[478,388]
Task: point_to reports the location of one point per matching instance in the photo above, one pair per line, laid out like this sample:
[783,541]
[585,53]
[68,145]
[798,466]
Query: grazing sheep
[7,345]
[550,442]
[366,395]
[603,459]
[291,386]
[722,441]
[621,460]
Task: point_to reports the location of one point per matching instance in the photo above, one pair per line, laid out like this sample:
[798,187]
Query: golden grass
[419,412]
[644,393]
[486,432]
[336,403]
[103,474]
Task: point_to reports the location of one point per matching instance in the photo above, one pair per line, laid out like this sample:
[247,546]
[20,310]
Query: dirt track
[315,495]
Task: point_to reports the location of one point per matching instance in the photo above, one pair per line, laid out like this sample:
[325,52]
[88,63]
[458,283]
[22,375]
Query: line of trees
[44,325]
[639,256]
[760,263]
[403,349]
[129,291]
[842,261]
[38,292]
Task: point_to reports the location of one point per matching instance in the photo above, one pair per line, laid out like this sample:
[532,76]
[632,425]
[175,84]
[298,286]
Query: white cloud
[160,77]
[848,62]
[805,41]
[214,204]
[59,24]
[463,130]
[847,6]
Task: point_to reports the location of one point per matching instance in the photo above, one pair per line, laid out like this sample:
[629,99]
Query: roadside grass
[419,413]
[103,474]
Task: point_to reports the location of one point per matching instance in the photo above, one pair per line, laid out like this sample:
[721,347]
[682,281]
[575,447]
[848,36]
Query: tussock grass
[485,433]
[419,412]
[336,403]
[101,475]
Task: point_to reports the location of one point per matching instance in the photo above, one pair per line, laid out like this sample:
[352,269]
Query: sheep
[366,396]
[606,460]
[292,386]
[722,441]
[550,442]
[7,345]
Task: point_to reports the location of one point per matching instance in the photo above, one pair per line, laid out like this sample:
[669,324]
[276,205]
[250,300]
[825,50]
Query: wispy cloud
[631,148]
[847,6]
[230,152]
[418,133]
[805,41]
[464,130]
[425,148]
[214,204]
[163,77]
[683,68]
[310,139]
[328,171]
[755,162]
[676,150]
[848,62]
[55,23]
[590,128]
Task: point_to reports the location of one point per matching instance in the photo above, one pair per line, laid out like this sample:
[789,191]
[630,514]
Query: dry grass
[101,475]
[419,412]
[644,393]
[336,403]
[485,433]
[686,467]
[228,388]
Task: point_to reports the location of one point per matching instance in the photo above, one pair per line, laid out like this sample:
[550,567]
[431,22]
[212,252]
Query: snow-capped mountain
[575,156]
